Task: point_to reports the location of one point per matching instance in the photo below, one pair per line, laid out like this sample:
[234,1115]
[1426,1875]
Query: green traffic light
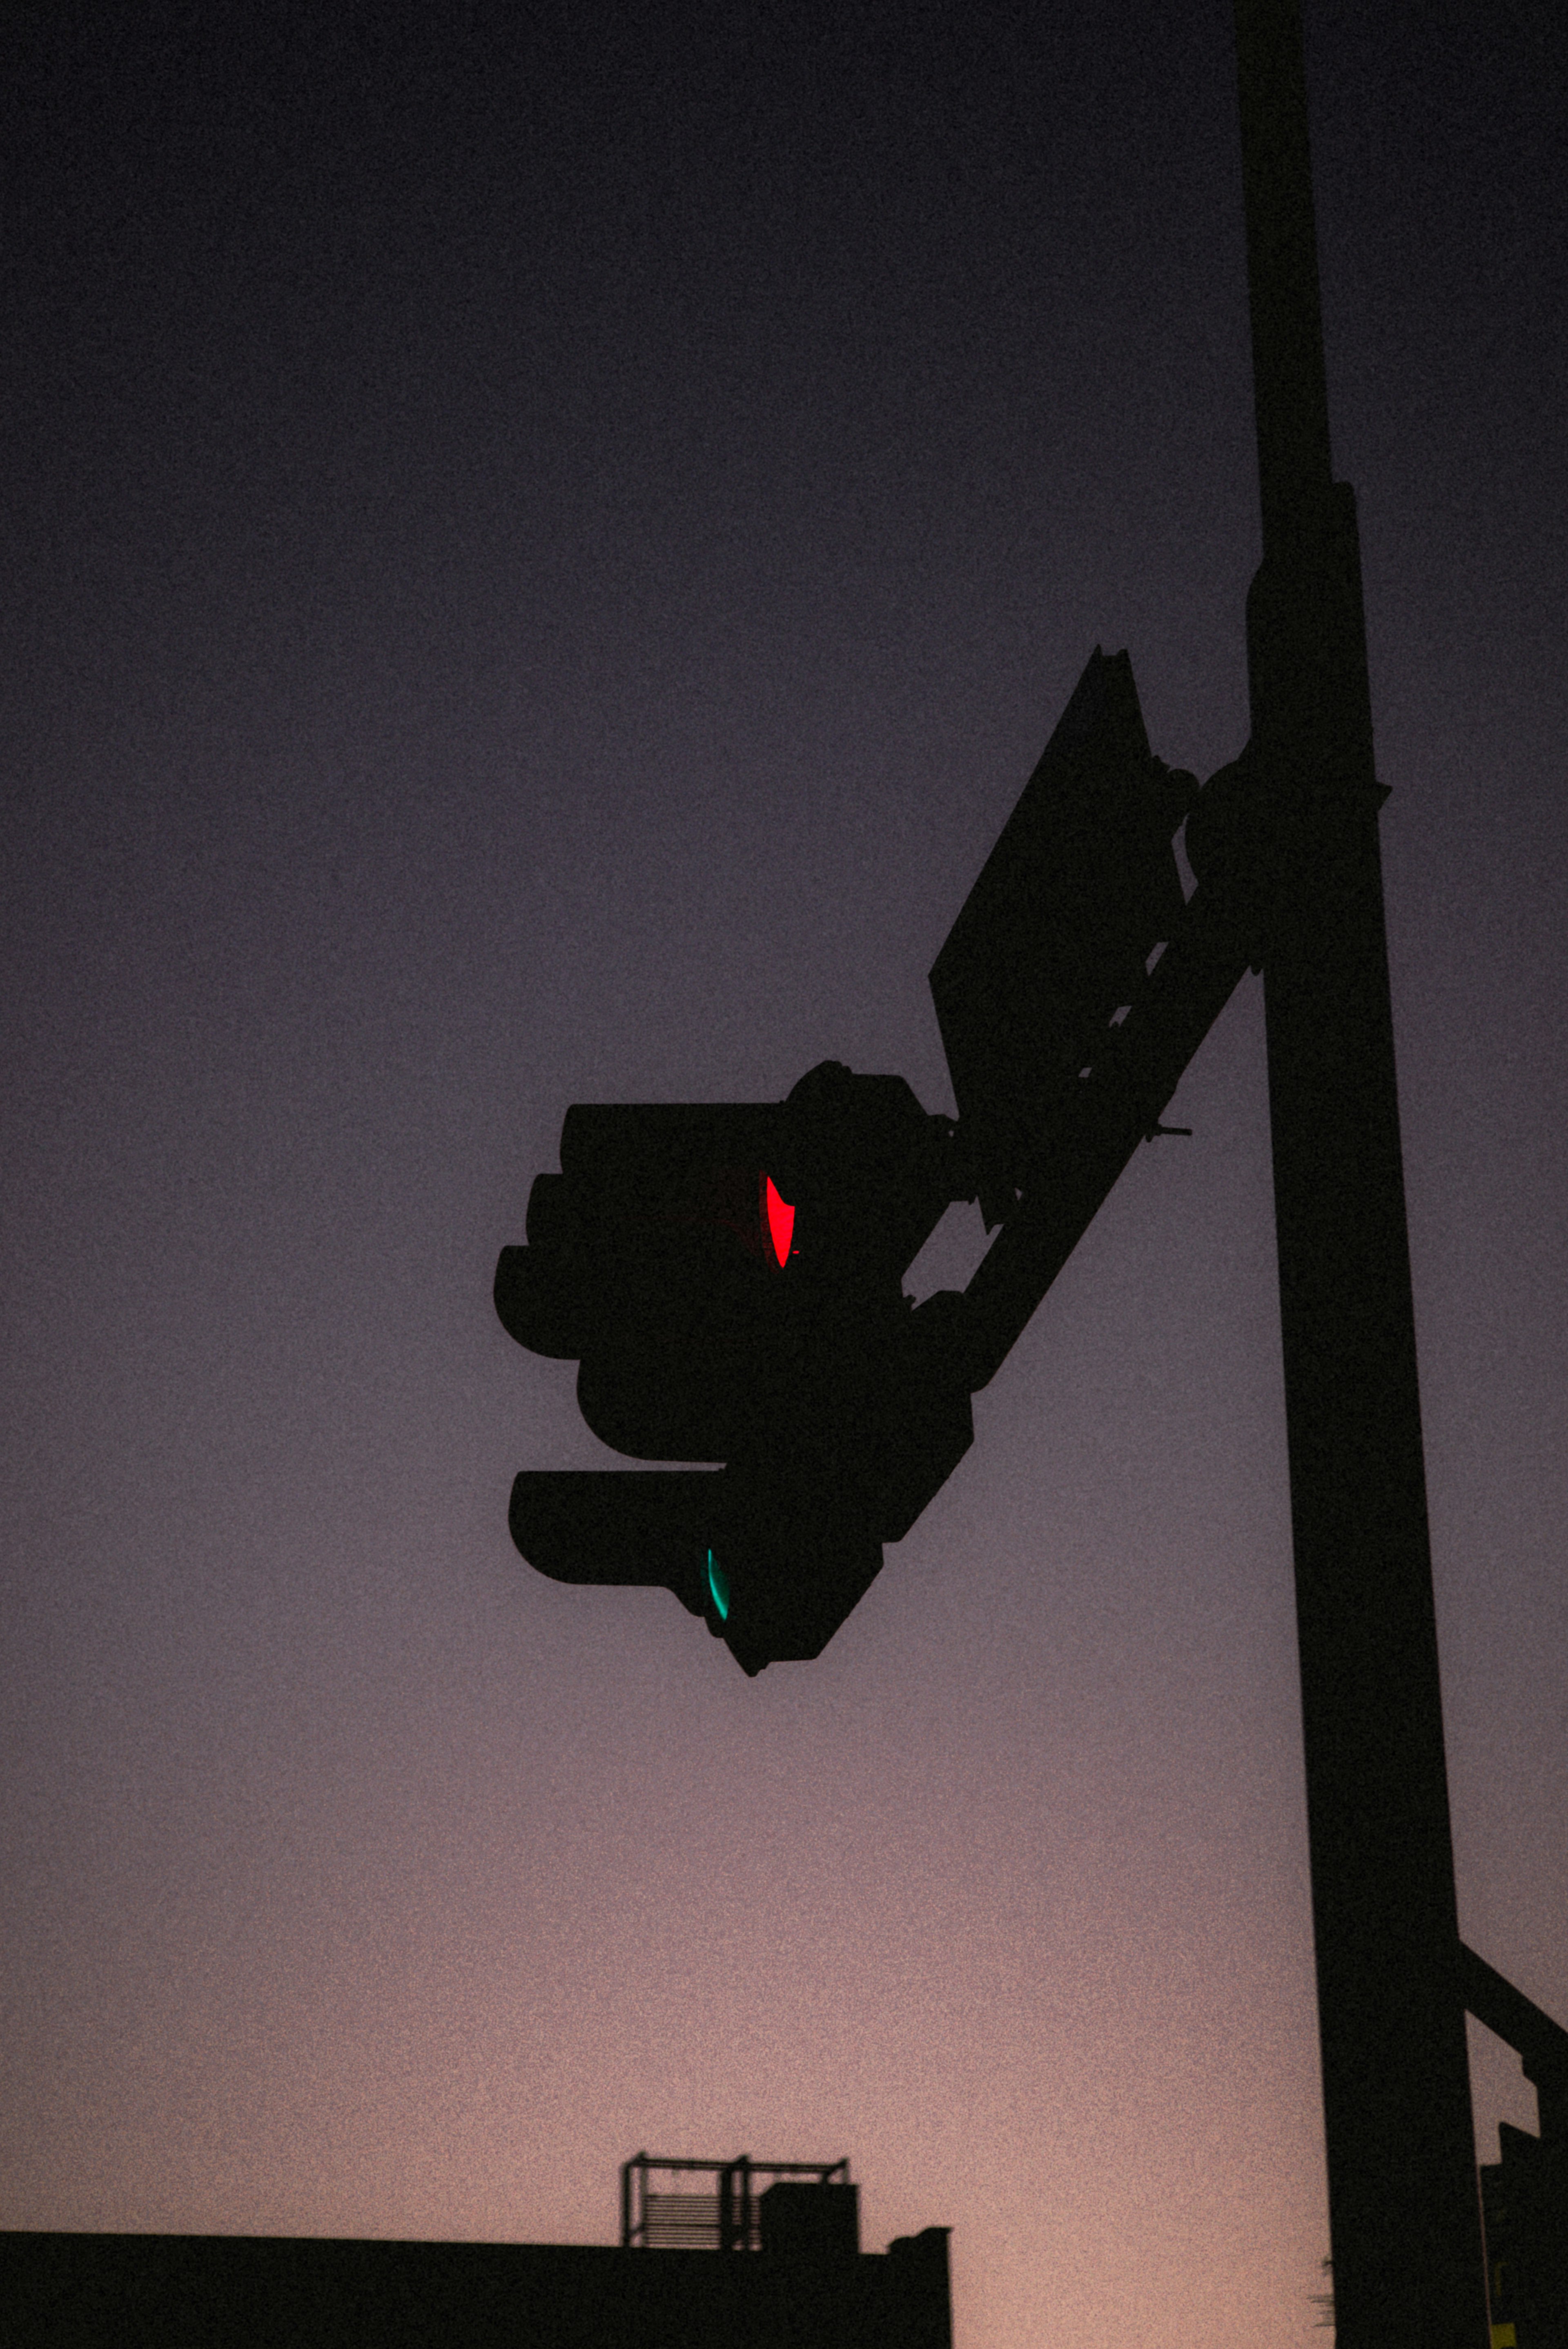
[718,1583]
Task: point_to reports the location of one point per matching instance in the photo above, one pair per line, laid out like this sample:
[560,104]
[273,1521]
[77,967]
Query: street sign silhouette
[1053,947]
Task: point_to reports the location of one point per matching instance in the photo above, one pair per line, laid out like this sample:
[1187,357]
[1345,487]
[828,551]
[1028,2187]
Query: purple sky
[543,546]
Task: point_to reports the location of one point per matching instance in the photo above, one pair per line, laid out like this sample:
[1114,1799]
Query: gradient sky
[543,543]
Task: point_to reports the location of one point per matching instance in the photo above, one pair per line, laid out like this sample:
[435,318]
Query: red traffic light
[780,1219]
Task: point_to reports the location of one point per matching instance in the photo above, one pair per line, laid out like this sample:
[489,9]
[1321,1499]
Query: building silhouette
[719,2260]
[1524,2210]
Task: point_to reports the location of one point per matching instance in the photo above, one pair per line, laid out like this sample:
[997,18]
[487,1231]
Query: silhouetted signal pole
[730,1276]
[1403,2208]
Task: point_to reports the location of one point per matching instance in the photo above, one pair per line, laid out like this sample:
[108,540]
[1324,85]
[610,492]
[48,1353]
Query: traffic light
[729,1278]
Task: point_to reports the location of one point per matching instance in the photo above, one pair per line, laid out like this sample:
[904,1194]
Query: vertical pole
[1404,2214]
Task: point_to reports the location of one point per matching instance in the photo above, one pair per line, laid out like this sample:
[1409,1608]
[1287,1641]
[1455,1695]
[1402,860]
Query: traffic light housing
[730,1280]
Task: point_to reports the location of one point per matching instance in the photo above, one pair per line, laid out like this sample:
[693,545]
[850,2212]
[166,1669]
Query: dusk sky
[543,544]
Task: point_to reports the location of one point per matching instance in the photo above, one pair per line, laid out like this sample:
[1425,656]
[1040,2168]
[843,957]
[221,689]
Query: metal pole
[1404,2213]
